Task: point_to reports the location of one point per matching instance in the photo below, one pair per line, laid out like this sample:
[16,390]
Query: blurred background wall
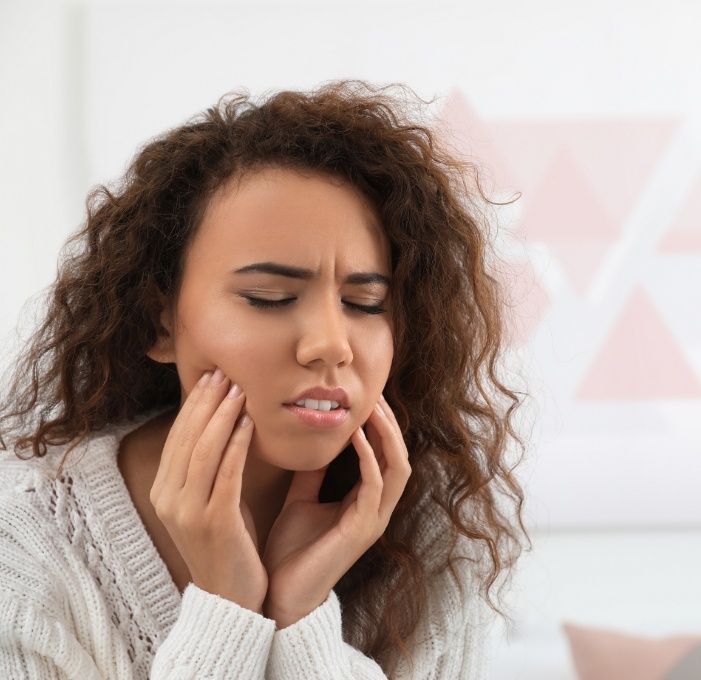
[590,110]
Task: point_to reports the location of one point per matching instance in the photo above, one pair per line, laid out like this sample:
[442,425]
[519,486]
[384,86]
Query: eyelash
[270,304]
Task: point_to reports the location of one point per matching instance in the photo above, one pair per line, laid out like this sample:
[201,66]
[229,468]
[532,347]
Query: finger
[176,431]
[208,454]
[370,487]
[375,442]
[387,411]
[226,492]
[384,409]
[305,486]
[187,437]
[397,468]
[373,437]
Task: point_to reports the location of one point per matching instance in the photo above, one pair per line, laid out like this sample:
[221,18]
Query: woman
[260,431]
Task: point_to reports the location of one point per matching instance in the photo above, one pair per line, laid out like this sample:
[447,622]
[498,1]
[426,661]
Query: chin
[300,458]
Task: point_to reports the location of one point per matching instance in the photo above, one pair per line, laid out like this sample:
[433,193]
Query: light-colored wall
[590,109]
[41,150]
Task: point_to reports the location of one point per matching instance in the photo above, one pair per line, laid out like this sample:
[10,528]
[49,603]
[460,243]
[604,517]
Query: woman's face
[323,336]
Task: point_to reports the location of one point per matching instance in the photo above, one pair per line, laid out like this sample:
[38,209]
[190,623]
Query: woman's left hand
[312,545]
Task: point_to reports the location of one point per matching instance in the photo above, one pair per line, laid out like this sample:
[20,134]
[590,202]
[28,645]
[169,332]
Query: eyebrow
[307,274]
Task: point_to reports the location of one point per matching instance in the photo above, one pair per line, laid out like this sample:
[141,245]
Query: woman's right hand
[197,493]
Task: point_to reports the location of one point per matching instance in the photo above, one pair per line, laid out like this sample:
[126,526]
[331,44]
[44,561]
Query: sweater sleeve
[450,644]
[313,649]
[214,638]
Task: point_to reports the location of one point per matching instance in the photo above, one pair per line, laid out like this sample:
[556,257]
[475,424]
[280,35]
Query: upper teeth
[317,404]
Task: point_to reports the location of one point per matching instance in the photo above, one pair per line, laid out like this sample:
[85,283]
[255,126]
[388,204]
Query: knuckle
[228,470]
[377,485]
[163,508]
[188,437]
[202,451]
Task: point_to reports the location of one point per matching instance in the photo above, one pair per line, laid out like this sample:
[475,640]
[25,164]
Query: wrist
[288,613]
[245,601]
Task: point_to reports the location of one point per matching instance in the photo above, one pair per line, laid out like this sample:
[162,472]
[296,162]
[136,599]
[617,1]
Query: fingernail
[378,408]
[234,392]
[382,397]
[362,433]
[204,379]
[246,420]
[217,377]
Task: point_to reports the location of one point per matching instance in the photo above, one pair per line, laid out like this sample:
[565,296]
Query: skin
[236,481]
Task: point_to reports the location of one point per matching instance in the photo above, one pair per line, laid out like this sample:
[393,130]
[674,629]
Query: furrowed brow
[277,269]
[367,277]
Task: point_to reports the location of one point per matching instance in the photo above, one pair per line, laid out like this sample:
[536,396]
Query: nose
[324,335]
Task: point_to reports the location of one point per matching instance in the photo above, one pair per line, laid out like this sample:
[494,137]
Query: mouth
[321,398]
[320,407]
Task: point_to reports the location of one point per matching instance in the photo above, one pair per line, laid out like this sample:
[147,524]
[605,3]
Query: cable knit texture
[84,595]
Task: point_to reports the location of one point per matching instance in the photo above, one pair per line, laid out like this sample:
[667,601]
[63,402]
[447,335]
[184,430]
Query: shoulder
[30,546]
[83,456]
[51,506]
[26,494]
[47,525]
[38,508]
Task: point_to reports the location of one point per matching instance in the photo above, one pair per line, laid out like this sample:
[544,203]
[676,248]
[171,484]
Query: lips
[322,418]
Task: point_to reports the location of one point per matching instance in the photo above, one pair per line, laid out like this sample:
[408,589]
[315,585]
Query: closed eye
[366,309]
[267,304]
[270,304]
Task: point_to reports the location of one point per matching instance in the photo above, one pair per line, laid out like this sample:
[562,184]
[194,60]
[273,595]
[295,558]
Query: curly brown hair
[87,366]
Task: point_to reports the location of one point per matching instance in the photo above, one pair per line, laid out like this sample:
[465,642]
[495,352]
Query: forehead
[287,214]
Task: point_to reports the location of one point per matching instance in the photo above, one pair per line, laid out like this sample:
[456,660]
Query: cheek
[374,364]
[378,355]
[209,338]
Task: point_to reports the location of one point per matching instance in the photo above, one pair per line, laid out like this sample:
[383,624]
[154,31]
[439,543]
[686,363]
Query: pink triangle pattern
[682,241]
[568,215]
[565,207]
[617,156]
[473,139]
[640,360]
[685,234]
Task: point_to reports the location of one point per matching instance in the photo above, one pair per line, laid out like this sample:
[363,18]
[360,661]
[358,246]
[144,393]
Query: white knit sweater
[85,595]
